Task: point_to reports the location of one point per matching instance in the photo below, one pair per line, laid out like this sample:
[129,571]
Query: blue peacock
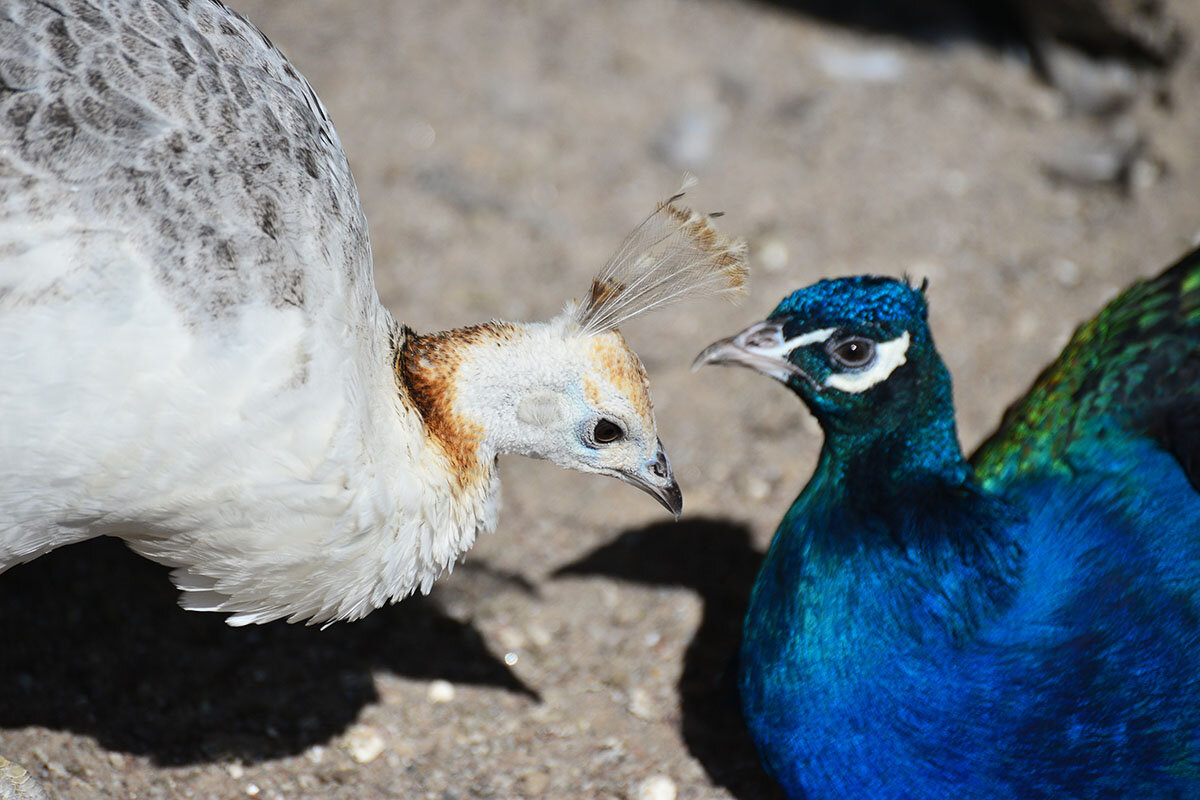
[1022,624]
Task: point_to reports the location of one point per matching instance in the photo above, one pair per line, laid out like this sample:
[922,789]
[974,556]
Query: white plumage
[193,356]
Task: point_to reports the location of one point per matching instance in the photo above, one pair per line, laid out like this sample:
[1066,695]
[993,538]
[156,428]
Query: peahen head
[859,354]
[570,390]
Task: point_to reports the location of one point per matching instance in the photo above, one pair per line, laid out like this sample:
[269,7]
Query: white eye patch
[888,356]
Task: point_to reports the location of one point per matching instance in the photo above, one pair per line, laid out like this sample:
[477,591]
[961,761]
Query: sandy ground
[502,150]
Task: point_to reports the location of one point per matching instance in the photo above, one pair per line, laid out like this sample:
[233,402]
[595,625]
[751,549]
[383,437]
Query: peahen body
[1023,624]
[193,356]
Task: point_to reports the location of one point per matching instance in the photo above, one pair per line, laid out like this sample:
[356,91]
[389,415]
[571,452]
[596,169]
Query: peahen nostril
[659,467]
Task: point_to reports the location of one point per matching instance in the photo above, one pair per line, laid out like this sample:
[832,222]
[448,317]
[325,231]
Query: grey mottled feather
[178,127]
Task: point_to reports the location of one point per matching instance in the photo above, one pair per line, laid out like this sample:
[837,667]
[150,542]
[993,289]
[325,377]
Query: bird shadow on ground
[716,559]
[94,643]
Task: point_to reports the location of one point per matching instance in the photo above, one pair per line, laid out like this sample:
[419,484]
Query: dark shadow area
[1143,33]
[714,558]
[996,23]
[92,641]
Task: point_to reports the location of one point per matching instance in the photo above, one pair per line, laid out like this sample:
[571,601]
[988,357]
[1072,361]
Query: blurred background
[1028,157]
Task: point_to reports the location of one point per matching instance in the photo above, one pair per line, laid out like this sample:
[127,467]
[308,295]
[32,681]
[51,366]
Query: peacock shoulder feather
[1131,371]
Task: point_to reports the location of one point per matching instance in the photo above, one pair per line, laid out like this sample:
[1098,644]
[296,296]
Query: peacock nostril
[767,335]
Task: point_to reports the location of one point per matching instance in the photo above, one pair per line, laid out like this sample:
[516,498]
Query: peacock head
[857,350]
[571,390]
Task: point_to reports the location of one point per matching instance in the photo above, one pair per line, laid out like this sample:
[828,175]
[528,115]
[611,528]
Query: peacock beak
[656,479]
[762,347]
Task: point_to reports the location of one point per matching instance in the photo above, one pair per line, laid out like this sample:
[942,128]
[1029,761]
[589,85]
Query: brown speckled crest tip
[674,254]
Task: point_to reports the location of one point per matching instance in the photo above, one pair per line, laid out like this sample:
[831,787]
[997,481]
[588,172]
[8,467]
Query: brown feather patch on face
[425,368]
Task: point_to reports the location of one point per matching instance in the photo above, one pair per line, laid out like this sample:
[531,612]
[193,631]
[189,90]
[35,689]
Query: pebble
[363,743]
[1097,87]
[1090,157]
[1143,174]
[420,135]
[876,65]
[756,488]
[538,635]
[689,139]
[1066,271]
[773,255]
[510,638]
[659,787]
[533,783]
[236,771]
[441,691]
[642,705]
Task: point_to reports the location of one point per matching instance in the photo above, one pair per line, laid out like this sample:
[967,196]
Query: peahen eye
[853,352]
[606,432]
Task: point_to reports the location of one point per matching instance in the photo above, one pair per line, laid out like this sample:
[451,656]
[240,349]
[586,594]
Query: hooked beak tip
[658,480]
[711,354]
[672,500]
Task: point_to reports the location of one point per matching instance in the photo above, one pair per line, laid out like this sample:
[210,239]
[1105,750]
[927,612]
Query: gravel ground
[502,151]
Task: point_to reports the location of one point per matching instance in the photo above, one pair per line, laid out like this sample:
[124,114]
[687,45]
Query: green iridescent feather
[1134,369]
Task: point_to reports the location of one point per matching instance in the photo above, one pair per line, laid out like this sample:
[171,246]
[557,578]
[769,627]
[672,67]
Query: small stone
[1089,157]
[756,488]
[1066,271]
[642,705]
[689,139]
[1026,326]
[538,635]
[773,255]
[441,691]
[253,790]
[363,743]
[510,638]
[420,135]
[533,783]
[236,771]
[658,787]
[875,65]
[1143,174]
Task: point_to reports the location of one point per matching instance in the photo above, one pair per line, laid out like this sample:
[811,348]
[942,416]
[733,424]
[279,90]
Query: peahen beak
[656,479]
[761,347]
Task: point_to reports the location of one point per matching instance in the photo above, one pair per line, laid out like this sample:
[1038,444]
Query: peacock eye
[606,432]
[853,352]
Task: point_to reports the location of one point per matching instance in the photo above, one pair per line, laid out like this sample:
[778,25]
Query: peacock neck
[863,461]
[887,529]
